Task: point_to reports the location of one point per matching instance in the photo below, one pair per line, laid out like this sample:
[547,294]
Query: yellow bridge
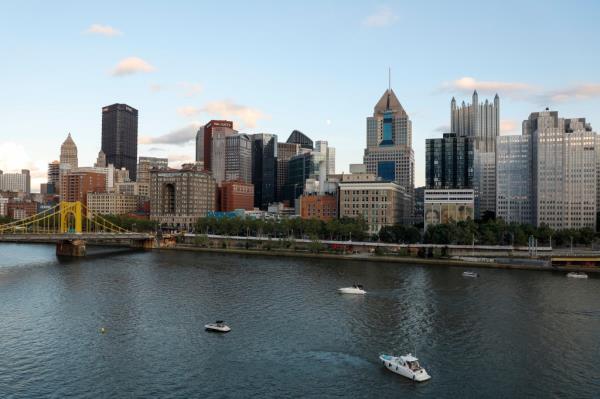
[70,224]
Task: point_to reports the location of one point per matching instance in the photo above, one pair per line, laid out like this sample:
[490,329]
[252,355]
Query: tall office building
[389,152]
[313,165]
[68,154]
[513,179]
[101,160]
[449,162]
[481,121]
[120,137]
[285,152]
[54,173]
[478,120]
[324,147]
[238,158]
[297,137]
[563,170]
[264,169]
[213,146]
[16,182]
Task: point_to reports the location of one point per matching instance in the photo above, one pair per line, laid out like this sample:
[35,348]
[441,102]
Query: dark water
[506,334]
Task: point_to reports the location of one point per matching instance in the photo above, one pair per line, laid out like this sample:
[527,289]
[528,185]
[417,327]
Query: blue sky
[271,66]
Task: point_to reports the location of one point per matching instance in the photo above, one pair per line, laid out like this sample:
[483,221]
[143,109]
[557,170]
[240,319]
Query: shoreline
[381,258]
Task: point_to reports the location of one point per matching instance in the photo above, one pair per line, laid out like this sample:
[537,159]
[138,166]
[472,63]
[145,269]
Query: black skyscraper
[119,136]
[264,169]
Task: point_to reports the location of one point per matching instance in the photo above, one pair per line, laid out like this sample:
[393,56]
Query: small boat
[218,326]
[407,366]
[355,289]
[470,274]
[577,275]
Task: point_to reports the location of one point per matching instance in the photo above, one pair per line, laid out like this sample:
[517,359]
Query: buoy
[103,330]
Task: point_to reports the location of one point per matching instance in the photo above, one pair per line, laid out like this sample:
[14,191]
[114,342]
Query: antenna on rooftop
[389,78]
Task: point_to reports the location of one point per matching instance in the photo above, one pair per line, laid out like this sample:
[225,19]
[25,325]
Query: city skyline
[93,57]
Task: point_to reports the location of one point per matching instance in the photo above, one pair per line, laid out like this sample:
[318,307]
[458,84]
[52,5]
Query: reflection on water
[506,334]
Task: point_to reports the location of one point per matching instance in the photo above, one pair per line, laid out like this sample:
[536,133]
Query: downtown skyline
[299,71]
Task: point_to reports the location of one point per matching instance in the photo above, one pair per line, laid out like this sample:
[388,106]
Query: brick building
[236,195]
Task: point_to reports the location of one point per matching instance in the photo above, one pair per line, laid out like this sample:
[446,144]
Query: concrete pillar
[70,248]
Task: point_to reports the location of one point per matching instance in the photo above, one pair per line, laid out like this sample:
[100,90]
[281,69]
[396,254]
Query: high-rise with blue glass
[389,152]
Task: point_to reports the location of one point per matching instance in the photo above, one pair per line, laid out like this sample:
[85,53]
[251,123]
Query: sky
[273,66]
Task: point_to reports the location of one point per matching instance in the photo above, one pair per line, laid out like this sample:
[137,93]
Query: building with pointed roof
[389,154]
[68,153]
[297,137]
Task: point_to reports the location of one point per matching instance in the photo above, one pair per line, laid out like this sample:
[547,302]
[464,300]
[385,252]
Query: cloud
[190,89]
[468,85]
[155,88]
[180,136]
[131,65]
[508,126]
[383,16]
[14,157]
[188,111]
[246,116]
[104,30]
[578,92]
[328,122]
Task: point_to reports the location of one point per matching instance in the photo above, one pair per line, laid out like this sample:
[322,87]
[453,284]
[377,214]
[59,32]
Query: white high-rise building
[514,179]
[16,182]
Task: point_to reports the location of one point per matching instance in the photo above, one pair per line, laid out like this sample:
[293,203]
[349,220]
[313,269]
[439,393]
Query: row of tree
[336,229]
[490,232]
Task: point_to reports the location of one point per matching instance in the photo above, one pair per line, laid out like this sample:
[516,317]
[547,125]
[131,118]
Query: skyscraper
[513,179]
[120,137]
[389,152]
[264,169]
[285,152]
[297,137]
[213,145]
[54,173]
[68,154]
[481,121]
[238,158]
[449,162]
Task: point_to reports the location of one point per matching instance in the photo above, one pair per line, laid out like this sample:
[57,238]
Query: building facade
[451,205]
[120,137]
[564,171]
[389,153]
[236,195]
[379,203]
[449,162]
[478,120]
[285,152]
[213,138]
[75,186]
[238,158]
[297,137]
[68,154]
[179,197]
[264,169]
[111,203]
[319,206]
[16,182]
[145,164]
[514,179]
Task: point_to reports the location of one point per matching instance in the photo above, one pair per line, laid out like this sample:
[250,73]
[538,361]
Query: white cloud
[245,116]
[188,111]
[383,16]
[131,65]
[190,89]
[14,157]
[155,88]
[180,136]
[508,126]
[328,122]
[578,92]
[468,85]
[104,30]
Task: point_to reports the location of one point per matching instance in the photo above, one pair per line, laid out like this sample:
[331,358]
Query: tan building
[111,203]
[178,197]
[379,203]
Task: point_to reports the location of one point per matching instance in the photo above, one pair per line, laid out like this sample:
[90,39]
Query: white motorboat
[355,289]
[218,326]
[470,274]
[407,366]
[577,275]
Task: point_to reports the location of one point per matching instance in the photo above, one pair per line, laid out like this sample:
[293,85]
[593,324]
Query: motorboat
[407,366]
[577,275]
[218,326]
[356,289]
[470,274]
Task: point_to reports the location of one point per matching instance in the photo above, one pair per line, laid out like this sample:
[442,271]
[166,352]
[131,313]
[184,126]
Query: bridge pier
[70,248]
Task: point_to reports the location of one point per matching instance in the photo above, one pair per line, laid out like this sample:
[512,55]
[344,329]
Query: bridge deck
[24,237]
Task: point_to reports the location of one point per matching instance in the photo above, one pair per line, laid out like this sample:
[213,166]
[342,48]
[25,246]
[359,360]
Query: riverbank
[382,258]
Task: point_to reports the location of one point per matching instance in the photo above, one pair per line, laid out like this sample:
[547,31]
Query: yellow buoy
[103,330]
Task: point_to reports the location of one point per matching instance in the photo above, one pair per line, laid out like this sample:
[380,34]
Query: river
[505,334]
